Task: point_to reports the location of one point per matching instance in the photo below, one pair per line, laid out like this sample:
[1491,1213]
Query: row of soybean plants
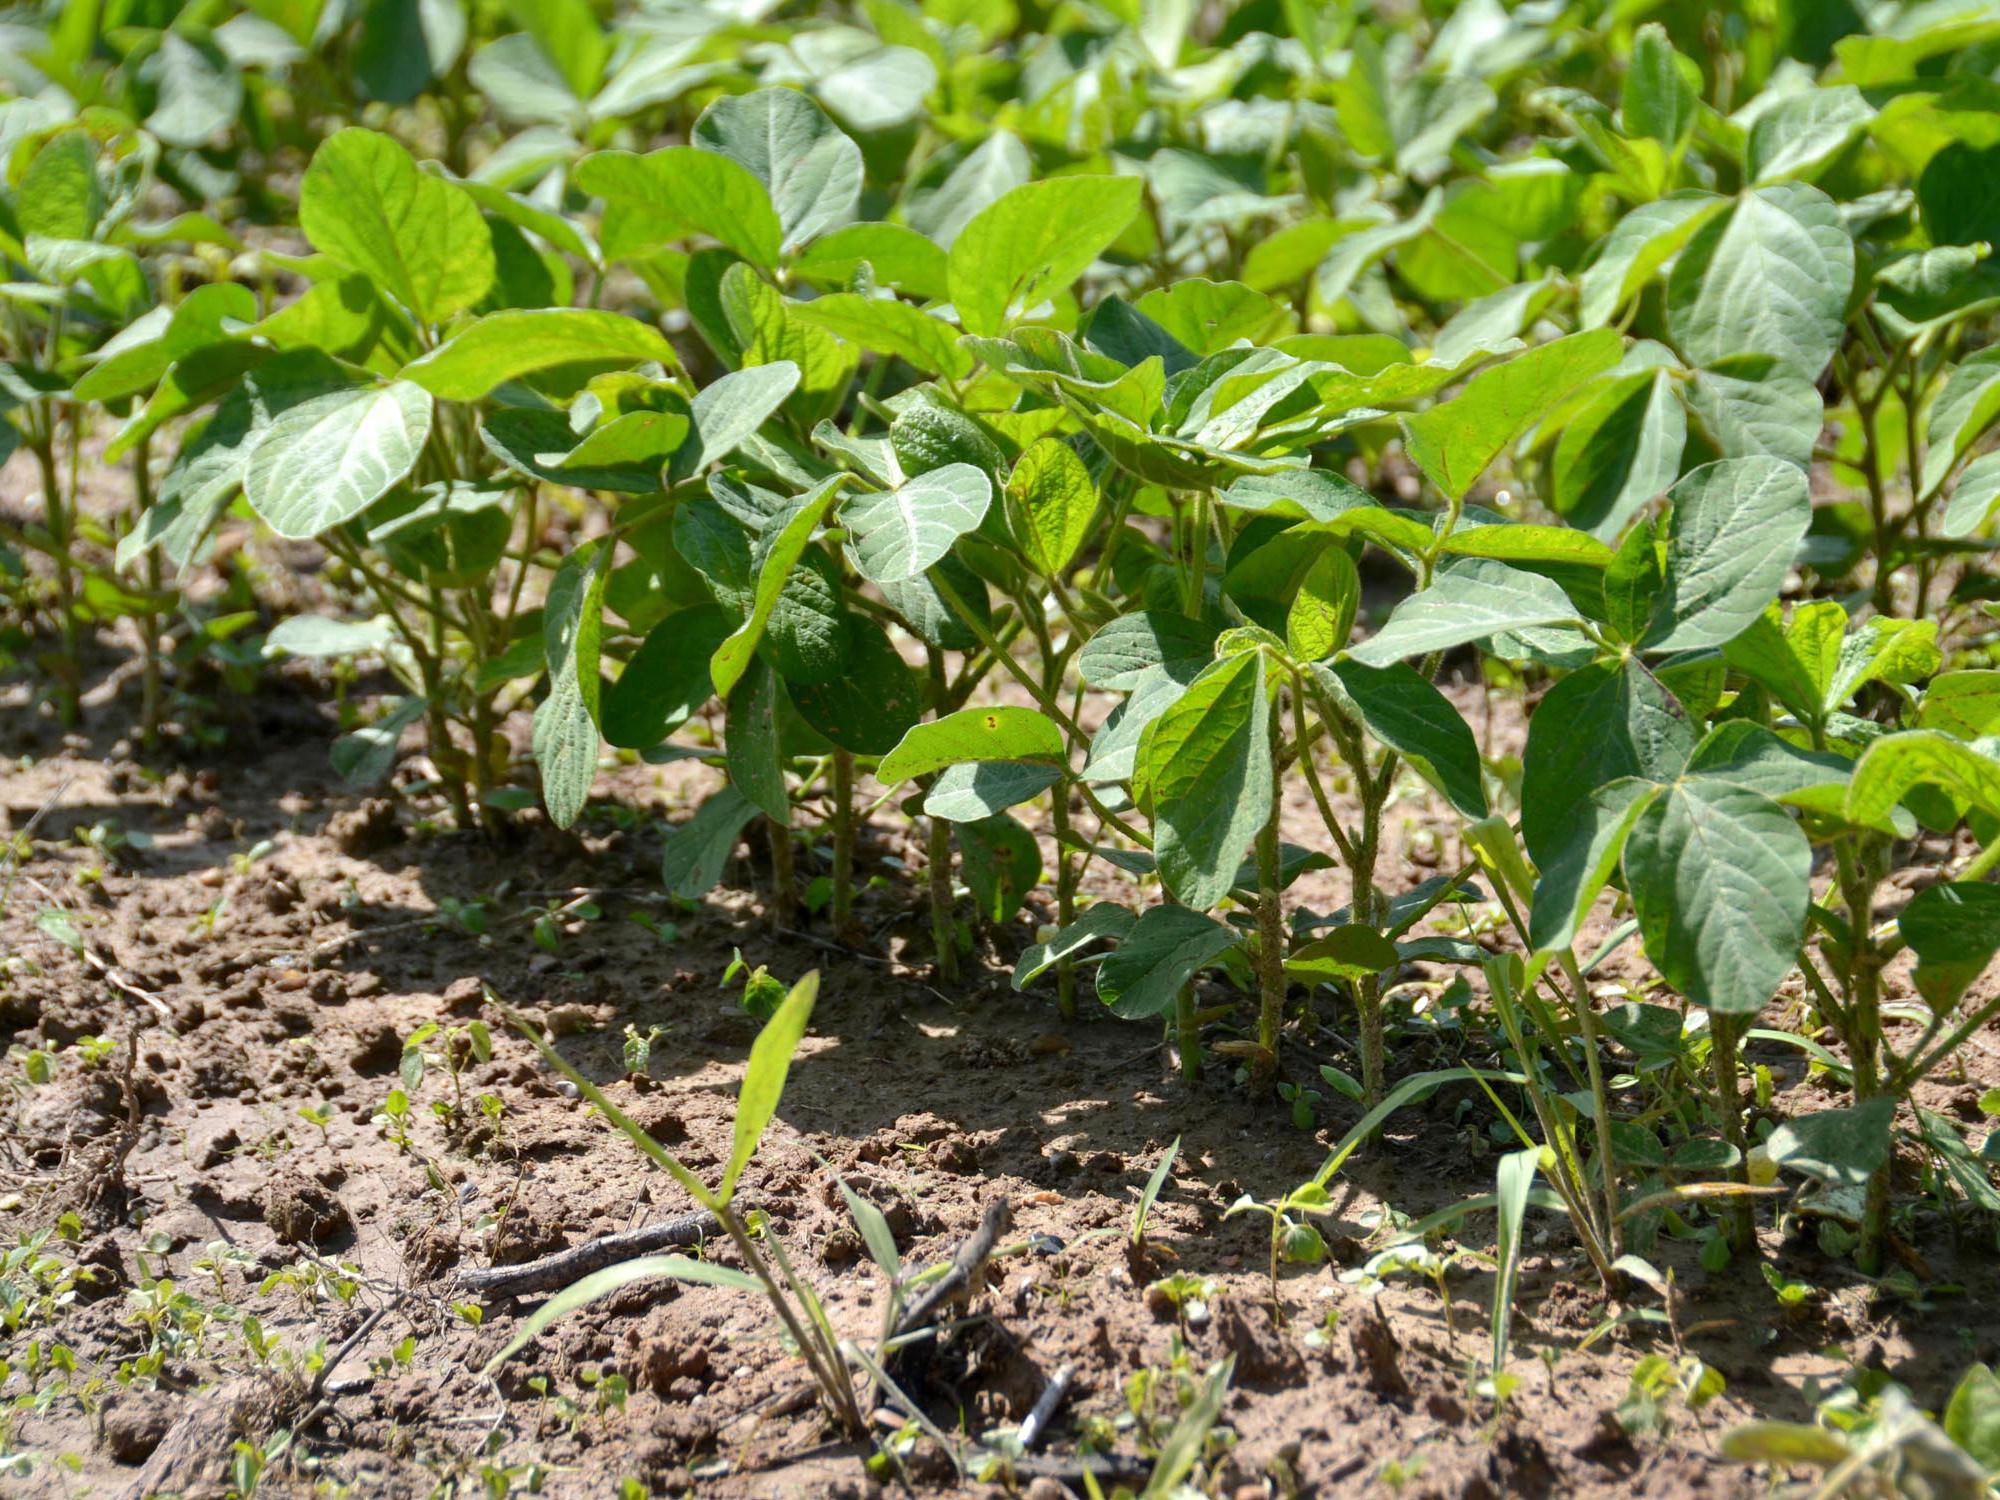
[943,373]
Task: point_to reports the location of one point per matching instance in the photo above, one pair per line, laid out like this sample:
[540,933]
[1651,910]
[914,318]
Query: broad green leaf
[727,412]
[1720,878]
[1772,277]
[58,196]
[1954,930]
[1890,767]
[1349,952]
[1965,704]
[1799,135]
[884,325]
[1973,497]
[1839,1147]
[1105,922]
[689,189]
[1662,91]
[506,345]
[1469,597]
[1584,860]
[200,91]
[404,45]
[1736,525]
[764,1078]
[979,789]
[565,737]
[1207,764]
[1406,712]
[321,638]
[327,459]
[1972,1417]
[751,752]
[1132,649]
[1454,441]
[1607,721]
[1033,241]
[1618,452]
[973,734]
[872,702]
[1053,500]
[1000,862]
[897,256]
[1637,247]
[900,533]
[806,163]
[1963,410]
[365,756]
[698,850]
[666,682]
[416,237]
[778,552]
[1785,1445]
[1321,614]
[1166,948]
[1753,407]
[1747,754]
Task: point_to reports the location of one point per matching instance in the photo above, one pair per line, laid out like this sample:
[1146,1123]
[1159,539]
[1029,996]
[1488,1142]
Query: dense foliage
[889,388]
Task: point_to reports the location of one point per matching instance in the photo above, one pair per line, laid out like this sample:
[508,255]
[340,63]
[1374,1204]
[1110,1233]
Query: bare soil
[236,994]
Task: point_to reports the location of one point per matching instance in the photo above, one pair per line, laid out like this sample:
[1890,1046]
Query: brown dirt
[321,959]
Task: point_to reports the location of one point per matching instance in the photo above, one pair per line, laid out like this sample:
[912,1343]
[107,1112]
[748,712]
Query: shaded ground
[257,1009]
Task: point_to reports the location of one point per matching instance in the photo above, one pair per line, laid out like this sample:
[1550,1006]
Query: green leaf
[979,789]
[416,237]
[1747,754]
[1469,597]
[1965,704]
[1890,767]
[1106,921]
[565,737]
[666,682]
[872,701]
[764,1078]
[506,345]
[1972,1417]
[1321,614]
[1799,135]
[1618,452]
[363,757]
[1166,948]
[1599,724]
[1753,406]
[884,325]
[1972,497]
[1207,764]
[1131,650]
[1720,879]
[1637,247]
[1349,952]
[808,166]
[1034,241]
[688,189]
[1406,712]
[1772,277]
[727,412]
[601,1284]
[1839,1147]
[1001,863]
[898,534]
[973,734]
[778,552]
[1954,930]
[1785,1445]
[1662,91]
[899,257]
[1053,500]
[1963,410]
[200,92]
[1454,441]
[750,743]
[698,850]
[1736,526]
[318,637]
[327,459]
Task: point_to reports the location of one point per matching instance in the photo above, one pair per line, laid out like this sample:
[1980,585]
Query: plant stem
[843,840]
[944,930]
[1726,1034]
[1066,872]
[1607,1164]
[1188,1025]
[149,619]
[1270,942]
[58,519]
[784,875]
